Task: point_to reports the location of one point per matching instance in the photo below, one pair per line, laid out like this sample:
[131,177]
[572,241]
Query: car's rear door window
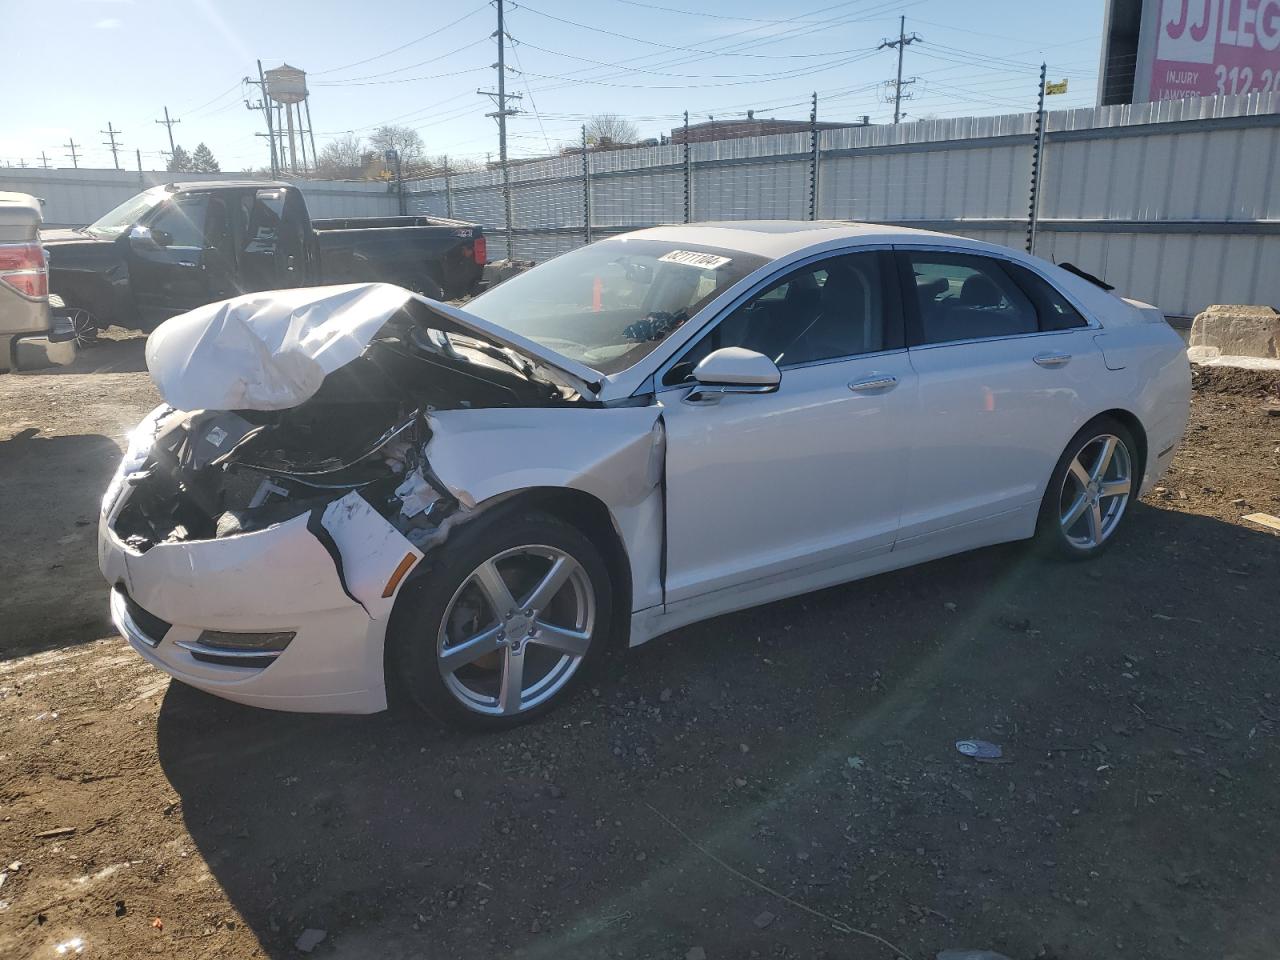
[965,297]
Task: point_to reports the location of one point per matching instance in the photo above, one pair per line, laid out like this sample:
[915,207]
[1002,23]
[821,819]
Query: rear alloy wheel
[1090,490]
[503,625]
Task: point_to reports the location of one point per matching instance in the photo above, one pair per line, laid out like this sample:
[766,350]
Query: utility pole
[75,159]
[901,44]
[22,162]
[1037,160]
[265,106]
[112,133]
[500,98]
[44,161]
[168,125]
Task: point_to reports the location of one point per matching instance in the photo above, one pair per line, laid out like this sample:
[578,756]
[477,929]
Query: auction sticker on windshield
[703,261]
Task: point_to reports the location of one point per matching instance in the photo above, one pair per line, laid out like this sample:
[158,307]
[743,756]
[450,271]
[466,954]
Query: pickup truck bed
[398,247]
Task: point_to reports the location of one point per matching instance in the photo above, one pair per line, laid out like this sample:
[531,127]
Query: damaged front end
[210,474]
[233,536]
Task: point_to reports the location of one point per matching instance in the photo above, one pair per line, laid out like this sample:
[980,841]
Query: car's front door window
[826,310]
[180,222]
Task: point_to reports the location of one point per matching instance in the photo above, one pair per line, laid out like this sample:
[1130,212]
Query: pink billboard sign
[1207,47]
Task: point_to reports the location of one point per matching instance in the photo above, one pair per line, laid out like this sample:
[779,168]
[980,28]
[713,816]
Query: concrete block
[1239,331]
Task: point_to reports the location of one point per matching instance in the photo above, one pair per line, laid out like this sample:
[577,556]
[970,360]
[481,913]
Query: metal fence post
[586,187]
[448,191]
[688,172]
[1037,162]
[813,159]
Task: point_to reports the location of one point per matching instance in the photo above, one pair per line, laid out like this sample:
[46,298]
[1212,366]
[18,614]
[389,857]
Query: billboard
[1168,49]
[1206,47]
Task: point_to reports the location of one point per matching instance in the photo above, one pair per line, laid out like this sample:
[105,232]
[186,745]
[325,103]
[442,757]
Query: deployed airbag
[266,351]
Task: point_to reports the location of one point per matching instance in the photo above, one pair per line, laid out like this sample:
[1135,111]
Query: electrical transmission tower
[112,133]
[901,44]
[501,100]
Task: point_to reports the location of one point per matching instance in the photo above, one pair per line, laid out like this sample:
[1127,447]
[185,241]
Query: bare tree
[343,158]
[609,128]
[404,140]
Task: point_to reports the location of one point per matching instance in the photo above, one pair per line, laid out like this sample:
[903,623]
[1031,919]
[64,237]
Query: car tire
[455,654]
[1090,490]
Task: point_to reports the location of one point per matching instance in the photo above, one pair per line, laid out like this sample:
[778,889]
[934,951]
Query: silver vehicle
[29,336]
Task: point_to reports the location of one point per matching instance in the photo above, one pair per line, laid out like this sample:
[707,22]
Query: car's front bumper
[281,578]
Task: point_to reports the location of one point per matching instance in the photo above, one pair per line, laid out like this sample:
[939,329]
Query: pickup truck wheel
[504,623]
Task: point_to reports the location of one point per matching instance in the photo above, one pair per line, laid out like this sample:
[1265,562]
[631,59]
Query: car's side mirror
[142,236]
[733,370]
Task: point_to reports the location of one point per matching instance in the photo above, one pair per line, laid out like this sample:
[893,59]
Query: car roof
[778,238]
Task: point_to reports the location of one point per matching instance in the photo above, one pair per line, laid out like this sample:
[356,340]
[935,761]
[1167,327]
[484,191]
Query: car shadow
[402,839]
[50,491]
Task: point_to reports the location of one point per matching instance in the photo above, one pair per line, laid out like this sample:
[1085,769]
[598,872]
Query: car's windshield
[609,304]
[121,218]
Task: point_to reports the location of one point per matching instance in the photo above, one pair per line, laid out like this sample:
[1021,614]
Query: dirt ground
[777,783]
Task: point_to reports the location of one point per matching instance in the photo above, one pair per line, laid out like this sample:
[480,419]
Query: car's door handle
[187,263]
[1052,359]
[877,381]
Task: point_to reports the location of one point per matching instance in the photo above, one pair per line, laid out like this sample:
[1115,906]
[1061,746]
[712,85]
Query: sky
[417,63]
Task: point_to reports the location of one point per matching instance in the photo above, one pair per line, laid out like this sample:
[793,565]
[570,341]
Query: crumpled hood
[272,350]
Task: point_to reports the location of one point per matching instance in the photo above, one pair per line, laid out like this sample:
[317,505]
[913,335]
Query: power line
[669,46]
[515,50]
[387,73]
[387,53]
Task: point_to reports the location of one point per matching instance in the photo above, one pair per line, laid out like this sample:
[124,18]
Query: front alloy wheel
[508,615]
[516,630]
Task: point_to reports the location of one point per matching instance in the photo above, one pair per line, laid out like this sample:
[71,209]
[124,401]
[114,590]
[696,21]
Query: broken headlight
[141,439]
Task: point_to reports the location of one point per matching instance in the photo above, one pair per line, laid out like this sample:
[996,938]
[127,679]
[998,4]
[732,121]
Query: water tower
[287,90]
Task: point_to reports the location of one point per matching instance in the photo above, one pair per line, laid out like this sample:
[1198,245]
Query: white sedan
[350,488]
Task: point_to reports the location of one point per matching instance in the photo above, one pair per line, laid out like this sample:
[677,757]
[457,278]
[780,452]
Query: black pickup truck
[175,247]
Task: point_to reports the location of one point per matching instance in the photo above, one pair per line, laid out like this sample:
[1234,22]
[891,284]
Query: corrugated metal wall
[77,197]
[1176,202]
